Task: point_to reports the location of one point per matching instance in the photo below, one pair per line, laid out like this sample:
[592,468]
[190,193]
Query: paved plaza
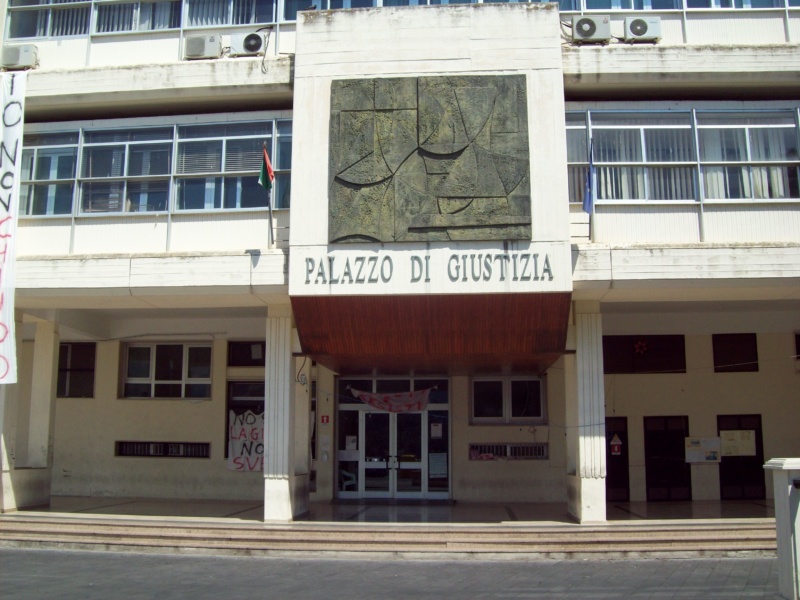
[45,574]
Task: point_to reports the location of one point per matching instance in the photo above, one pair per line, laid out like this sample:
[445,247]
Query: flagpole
[271,234]
[269,204]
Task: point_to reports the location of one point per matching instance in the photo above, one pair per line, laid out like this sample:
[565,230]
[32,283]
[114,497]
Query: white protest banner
[245,441]
[12,98]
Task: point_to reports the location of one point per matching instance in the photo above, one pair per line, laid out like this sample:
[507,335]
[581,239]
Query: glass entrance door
[382,454]
[392,464]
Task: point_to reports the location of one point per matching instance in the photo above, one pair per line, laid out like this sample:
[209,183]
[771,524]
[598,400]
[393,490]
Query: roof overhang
[434,333]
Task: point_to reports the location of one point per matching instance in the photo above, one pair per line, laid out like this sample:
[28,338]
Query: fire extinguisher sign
[616,445]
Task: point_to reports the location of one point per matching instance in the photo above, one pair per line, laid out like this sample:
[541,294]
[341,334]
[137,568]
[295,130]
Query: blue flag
[588,190]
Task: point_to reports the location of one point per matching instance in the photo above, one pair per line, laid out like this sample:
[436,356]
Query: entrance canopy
[433,333]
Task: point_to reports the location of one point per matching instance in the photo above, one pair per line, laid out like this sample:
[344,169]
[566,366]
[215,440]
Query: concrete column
[27,416]
[785,472]
[43,395]
[285,495]
[586,458]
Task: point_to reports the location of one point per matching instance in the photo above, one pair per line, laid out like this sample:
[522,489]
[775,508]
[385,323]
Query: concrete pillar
[27,416]
[785,472]
[285,494]
[586,437]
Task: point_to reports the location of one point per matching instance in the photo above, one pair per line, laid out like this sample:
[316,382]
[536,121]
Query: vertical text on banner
[12,121]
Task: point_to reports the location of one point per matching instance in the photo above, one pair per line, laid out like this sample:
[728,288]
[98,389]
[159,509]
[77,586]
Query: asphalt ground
[44,574]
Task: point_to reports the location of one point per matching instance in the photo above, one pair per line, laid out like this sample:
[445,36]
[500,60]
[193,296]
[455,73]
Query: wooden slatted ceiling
[446,333]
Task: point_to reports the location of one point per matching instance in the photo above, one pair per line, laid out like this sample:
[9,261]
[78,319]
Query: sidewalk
[40,574]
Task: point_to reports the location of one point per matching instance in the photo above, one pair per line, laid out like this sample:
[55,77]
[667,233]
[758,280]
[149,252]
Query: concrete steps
[684,539]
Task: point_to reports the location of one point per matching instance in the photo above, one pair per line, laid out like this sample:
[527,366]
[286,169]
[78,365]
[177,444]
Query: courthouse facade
[514,252]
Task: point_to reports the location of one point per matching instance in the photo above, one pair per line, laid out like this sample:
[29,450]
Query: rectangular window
[48,18]
[748,156]
[243,396]
[735,352]
[126,170]
[76,362]
[155,169]
[629,354]
[137,16]
[48,173]
[683,155]
[246,354]
[167,371]
[205,13]
[218,165]
[507,400]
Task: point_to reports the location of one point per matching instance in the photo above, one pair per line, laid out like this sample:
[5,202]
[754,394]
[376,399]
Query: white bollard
[786,484]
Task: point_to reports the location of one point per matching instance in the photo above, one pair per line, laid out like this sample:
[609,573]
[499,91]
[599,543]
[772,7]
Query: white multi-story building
[426,246]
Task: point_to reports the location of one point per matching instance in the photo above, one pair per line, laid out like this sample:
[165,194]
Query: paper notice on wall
[436,431]
[245,441]
[437,465]
[738,442]
[702,450]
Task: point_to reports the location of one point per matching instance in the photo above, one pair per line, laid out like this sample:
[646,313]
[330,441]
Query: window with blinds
[686,155]
[206,13]
[53,18]
[155,169]
[126,170]
[137,16]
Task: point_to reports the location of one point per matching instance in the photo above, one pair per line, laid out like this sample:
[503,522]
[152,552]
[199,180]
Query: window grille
[508,451]
[164,449]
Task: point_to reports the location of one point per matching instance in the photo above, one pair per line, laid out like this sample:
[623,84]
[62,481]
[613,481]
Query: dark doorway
[617,477]
[741,476]
[667,473]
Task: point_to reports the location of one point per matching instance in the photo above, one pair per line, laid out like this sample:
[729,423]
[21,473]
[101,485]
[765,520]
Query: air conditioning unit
[593,29]
[23,56]
[203,46]
[642,29]
[247,44]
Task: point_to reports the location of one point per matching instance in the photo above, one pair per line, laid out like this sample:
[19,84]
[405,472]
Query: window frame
[67,370]
[153,382]
[76,139]
[722,345]
[507,417]
[782,172]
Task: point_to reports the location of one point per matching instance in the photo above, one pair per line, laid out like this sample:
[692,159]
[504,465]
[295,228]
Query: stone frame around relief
[429,159]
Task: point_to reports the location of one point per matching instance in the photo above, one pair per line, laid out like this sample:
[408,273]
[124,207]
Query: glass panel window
[137,16]
[168,371]
[749,156]
[526,399]
[47,19]
[133,170]
[203,13]
[630,354]
[76,363]
[56,167]
[487,399]
[642,156]
[232,148]
[140,170]
[735,352]
[507,400]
